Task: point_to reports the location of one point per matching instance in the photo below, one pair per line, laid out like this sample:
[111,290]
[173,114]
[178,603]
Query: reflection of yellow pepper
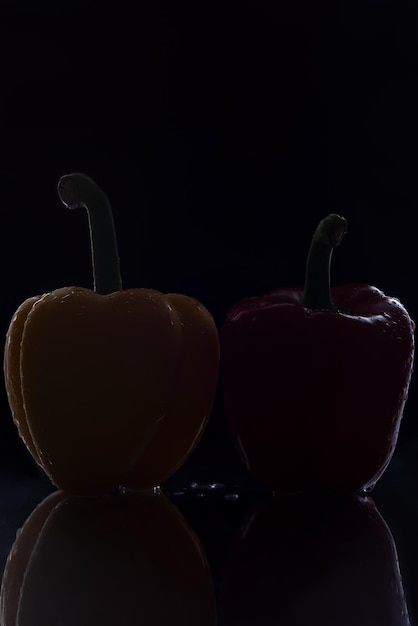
[109,387]
[129,559]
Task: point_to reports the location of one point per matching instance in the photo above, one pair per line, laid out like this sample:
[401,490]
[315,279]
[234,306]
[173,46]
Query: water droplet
[216,486]
[368,489]
[231,497]
[209,488]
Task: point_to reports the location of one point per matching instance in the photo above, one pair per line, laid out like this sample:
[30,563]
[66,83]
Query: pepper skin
[97,379]
[314,395]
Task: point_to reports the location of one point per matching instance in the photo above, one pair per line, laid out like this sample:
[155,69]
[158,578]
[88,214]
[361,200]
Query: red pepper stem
[78,190]
[328,234]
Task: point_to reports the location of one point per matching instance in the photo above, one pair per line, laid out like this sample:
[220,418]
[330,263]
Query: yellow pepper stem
[76,191]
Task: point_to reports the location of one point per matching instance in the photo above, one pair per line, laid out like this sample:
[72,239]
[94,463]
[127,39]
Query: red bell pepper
[315,379]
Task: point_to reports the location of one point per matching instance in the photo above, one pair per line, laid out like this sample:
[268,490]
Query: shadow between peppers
[126,559]
[300,560]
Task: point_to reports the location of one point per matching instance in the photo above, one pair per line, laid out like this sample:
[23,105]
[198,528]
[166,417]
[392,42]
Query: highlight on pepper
[109,387]
[315,379]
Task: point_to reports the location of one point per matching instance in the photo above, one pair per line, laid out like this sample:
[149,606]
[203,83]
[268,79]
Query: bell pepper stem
[76,191]
[328,234]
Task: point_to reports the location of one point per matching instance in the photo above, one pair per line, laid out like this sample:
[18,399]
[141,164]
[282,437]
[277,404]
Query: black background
[221,132]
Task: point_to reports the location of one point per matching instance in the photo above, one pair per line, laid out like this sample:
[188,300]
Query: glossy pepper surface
[111,387]
[315,380]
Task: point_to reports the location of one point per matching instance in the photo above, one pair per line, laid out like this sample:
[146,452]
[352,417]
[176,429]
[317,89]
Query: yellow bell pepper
[111,387]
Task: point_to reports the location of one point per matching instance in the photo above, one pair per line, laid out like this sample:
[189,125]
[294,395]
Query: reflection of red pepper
[301,560]
[314,380]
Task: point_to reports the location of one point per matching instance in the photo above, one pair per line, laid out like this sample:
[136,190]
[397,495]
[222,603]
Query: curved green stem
[78,190]
[328,234]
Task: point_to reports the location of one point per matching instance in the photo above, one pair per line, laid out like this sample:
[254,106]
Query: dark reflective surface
[310,560]
[125,559]
[212,549]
